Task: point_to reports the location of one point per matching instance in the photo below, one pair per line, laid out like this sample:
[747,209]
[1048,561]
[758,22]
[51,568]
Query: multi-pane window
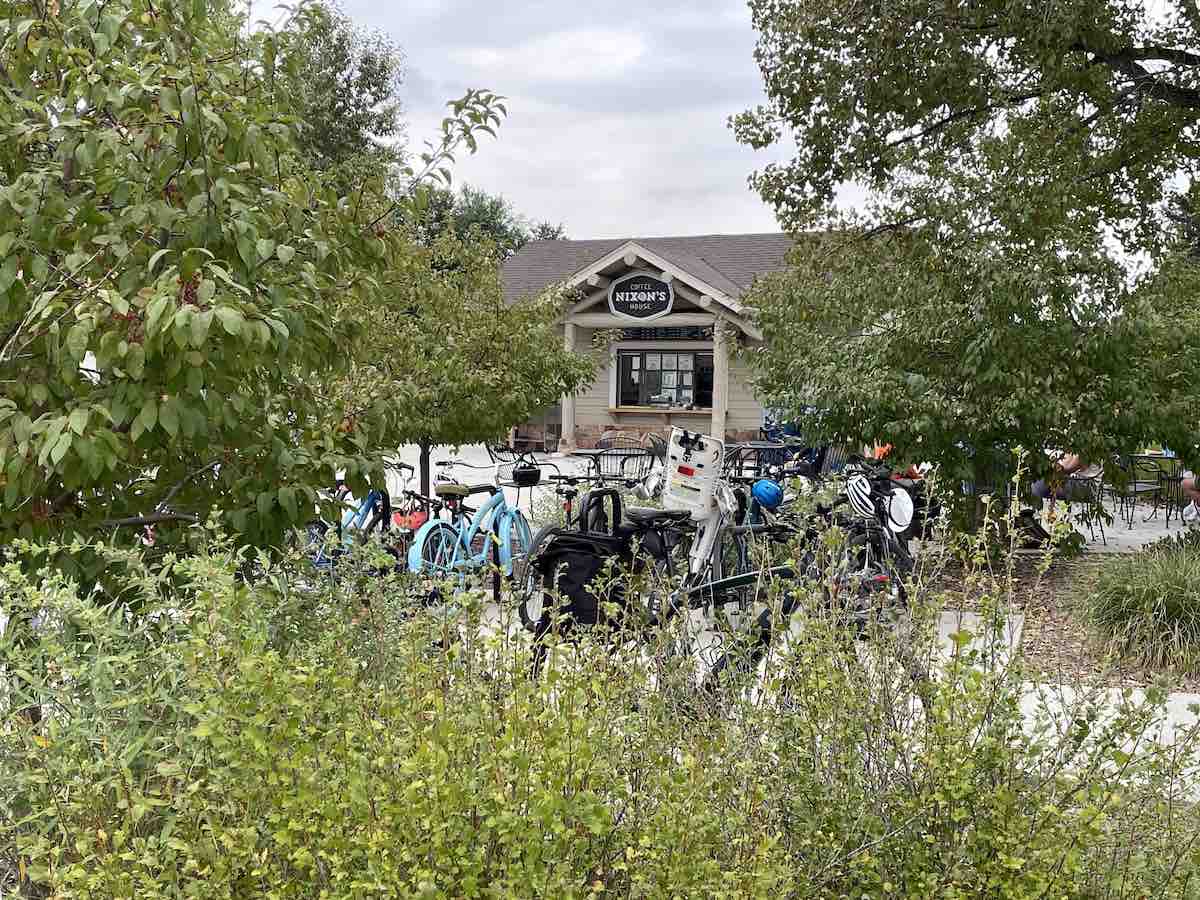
[666,379]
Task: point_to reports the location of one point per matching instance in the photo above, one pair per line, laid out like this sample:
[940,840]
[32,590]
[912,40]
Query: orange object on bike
[410,521]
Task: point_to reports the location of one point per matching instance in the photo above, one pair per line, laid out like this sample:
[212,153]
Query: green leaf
[61,446]
[265,501]
[168,417]
[79,419]
[77,341]
[147,418]
[265,247]
[159,254]
[154,312]
[200,325]
[135,362]
[231,319]
[9,271]
[187,105]
[285,253]
[287,499]
[205,292]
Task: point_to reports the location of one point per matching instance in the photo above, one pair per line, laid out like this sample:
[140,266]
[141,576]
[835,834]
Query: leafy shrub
[1148,604]
[277,739]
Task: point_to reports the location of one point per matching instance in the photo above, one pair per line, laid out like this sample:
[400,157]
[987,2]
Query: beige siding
[745,412]
[591,404]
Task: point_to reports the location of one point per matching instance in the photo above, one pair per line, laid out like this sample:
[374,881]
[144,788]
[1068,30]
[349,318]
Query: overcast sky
[618,112]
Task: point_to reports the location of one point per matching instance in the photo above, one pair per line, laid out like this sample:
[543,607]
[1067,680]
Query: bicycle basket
[526,475]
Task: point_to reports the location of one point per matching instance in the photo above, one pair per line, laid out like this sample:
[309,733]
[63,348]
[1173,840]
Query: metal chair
[753,459]
[1138,477]
[835,459]
[619,440]
[1170,483]
[1086,503]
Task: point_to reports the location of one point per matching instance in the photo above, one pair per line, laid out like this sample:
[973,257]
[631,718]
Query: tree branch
[152,519]
[175,490]
[1126,62]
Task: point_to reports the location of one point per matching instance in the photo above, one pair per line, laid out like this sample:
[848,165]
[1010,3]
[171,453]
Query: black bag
[579,572]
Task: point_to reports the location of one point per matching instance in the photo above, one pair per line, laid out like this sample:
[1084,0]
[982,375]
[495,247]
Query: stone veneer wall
[587,436]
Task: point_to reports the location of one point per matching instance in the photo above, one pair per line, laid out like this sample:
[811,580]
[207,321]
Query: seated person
[1191,491]
[1067,481]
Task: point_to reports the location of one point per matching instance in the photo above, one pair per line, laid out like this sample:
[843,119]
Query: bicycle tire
[435,550]
[531,600]
[515,540]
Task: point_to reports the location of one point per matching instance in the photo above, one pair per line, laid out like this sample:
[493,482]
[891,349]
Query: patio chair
[1170,481]
[1138,478]
[658,446]
[753,459]
[618,440]
[1087,503]
[835,459]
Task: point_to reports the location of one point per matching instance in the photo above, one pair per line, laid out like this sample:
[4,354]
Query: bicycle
[444,549]
[862,584]
[600,516]
[371,517]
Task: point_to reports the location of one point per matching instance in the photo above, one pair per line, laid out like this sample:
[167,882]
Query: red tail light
[687,470]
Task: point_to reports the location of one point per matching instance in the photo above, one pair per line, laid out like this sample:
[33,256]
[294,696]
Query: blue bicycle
[372,516]
[473,539]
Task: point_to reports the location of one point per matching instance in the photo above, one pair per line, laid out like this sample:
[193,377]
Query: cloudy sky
[617,110]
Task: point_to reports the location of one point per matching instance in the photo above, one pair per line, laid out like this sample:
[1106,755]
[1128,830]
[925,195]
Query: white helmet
[900,509]
[858,489]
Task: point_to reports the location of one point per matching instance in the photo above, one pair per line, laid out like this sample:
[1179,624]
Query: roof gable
[727,262]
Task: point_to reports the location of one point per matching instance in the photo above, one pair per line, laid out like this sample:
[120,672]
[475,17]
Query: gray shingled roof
[729,262]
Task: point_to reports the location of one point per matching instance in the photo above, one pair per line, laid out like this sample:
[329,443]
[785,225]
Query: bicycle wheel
[515,541]
[527,583]
[434,550]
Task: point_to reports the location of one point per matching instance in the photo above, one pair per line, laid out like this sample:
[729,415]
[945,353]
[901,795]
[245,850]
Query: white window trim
[664,346]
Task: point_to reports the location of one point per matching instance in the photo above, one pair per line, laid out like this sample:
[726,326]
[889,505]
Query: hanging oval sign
[641,296]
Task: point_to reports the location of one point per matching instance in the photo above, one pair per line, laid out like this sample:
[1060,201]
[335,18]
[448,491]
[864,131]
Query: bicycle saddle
[463,490]
[646,516]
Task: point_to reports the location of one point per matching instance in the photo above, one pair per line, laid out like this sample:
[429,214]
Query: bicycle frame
[354,519]
[468,530]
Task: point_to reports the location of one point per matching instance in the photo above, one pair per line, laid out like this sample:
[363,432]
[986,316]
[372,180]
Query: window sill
[658,411]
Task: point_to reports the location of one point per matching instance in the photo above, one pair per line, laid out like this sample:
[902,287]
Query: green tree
[1017,274]
[491,216]
[344,82]
[453,363]
[177,287]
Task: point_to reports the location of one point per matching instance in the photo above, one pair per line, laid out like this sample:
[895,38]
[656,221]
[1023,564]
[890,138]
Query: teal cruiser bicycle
[474,538]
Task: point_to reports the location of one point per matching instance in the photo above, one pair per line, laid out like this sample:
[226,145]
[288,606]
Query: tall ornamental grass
[1147,604]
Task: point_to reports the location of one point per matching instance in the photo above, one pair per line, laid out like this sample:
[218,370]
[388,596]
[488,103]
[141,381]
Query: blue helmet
[768,494]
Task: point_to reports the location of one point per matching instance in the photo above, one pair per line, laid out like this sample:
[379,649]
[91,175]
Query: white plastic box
[692,472]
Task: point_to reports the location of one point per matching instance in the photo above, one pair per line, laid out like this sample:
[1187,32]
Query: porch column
[566,442]
[720,401]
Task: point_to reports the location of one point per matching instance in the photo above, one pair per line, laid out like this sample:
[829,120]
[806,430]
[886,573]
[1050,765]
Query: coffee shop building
[664,322]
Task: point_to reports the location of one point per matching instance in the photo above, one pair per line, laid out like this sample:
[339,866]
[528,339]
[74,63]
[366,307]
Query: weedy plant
[1147,604]
[270,735]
